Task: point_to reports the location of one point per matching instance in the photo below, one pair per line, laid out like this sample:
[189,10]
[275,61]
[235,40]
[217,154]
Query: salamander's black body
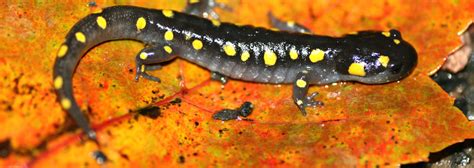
[240,52]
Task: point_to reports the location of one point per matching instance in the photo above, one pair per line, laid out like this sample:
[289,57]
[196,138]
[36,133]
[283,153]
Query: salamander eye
[395,33]
[395,68]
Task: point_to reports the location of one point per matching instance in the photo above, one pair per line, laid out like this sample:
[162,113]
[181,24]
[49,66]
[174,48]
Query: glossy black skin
[403,57]
[340,52]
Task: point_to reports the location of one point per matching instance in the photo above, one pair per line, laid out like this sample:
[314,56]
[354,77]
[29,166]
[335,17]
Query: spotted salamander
[241,52]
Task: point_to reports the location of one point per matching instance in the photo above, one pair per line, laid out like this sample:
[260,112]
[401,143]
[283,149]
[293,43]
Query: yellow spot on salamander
[215,22]
[290,23]
[245,56]
[316,55]
[193,1]
[97,11]
[58,82]
[384,60]
[101,22]
[168,49]
[141,23]
[168,13]
[169,35]
[62,50]
[274,29]
[293,54]
[301,83]
[269,57]
[396,41]
[386,34]
[66,103]
[229,49]
[143,56]
[142,69]
[357,69]
[197,44]
[80,37]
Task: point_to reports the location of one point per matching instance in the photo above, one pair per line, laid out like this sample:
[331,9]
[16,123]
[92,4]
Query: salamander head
[376,57]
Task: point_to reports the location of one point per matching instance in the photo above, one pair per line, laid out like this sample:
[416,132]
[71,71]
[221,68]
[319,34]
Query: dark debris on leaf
[229,114]
[176,101]
[152,112]
[5,148]
[181,159]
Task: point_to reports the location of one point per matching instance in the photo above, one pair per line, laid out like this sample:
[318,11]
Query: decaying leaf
[370,125]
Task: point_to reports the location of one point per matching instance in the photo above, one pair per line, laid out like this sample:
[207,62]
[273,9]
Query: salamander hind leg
[150,57]
[300,90]
[289,26]
[204,8]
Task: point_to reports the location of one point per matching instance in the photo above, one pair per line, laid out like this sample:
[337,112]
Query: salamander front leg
[289,26]
[300,90]
[149,59]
